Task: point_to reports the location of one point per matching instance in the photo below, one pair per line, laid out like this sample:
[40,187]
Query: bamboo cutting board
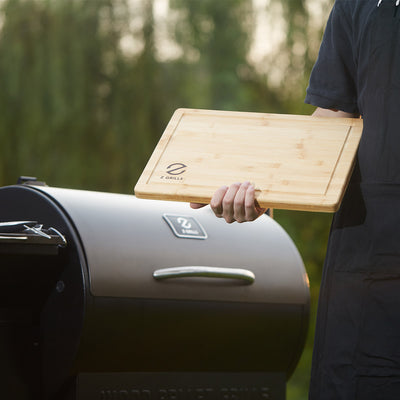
[295,162]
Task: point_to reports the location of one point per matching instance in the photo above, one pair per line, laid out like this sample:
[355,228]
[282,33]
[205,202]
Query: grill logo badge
[174,172]
[185,226]
[184,223]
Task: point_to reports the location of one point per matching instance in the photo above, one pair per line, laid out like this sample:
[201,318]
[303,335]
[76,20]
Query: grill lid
[126,240]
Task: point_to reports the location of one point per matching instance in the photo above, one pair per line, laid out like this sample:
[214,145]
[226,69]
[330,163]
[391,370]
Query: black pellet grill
[104,296]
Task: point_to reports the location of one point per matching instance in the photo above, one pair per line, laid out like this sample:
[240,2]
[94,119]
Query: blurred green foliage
[80,109]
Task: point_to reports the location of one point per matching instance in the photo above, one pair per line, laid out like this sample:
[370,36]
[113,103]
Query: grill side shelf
[32,243]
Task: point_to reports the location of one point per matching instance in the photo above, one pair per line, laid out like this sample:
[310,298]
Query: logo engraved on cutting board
[176,169]
[173,172]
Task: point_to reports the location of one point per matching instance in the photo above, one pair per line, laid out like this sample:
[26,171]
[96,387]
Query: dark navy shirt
[334,78]
[357,339]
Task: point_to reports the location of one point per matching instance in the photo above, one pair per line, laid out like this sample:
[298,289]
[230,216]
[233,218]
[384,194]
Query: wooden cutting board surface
[295,162]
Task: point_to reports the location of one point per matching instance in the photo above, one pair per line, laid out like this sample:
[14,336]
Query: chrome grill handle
[204,271]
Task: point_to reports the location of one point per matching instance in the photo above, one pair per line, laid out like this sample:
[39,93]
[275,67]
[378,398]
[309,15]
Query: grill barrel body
[148,300]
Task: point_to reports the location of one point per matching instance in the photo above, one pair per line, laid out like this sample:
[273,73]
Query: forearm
[323,112]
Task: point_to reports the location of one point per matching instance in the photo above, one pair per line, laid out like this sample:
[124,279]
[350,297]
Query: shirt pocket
[383,226]
[373,245]
[377,352]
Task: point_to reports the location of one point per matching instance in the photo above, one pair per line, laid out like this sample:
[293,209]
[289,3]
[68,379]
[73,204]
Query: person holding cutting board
[357,338]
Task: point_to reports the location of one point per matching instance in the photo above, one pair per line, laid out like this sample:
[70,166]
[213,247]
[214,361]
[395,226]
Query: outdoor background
[88,86]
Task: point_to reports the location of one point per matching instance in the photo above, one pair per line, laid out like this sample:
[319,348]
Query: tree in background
[56,72]
[215,38]
[77,109]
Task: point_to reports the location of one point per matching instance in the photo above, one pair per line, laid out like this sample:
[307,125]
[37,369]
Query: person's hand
[197,205]
[235,203]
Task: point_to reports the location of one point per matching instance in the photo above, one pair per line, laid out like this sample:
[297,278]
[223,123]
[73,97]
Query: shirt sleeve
[333,78]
